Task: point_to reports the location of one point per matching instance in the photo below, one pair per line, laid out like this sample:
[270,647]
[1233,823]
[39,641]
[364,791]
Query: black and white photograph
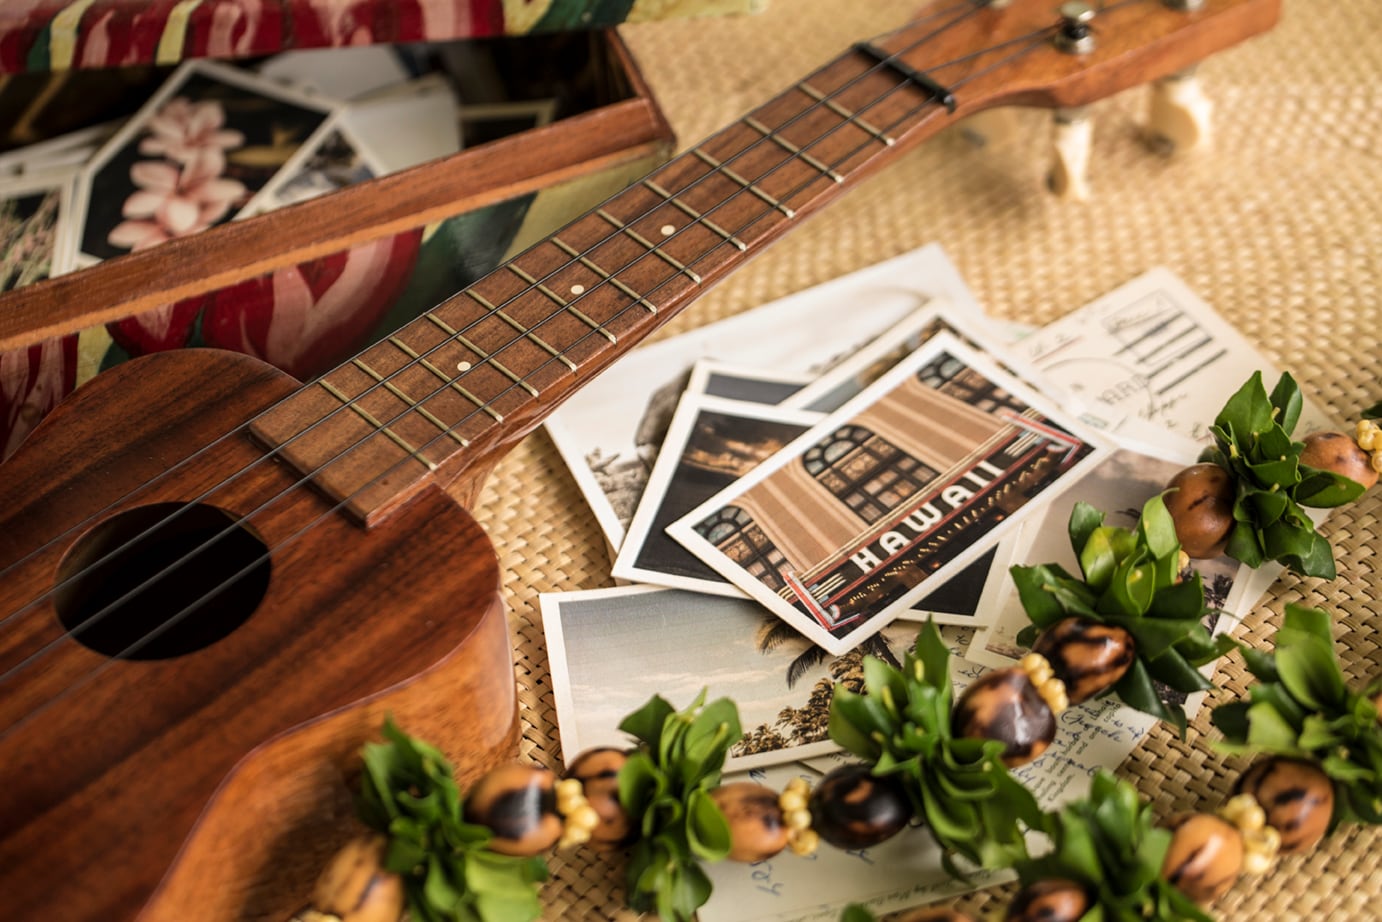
[609,650]
[31,212]
[609,433]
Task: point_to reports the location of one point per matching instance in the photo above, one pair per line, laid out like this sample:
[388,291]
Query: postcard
[65,153]
[749,385]
[905,871]
[1119,485]
[609,650]
[711,443]
[407,124]
[337,73]
[608,432]
[1152,351]
[902,487]
[334,162]
[31,213]
[198,152]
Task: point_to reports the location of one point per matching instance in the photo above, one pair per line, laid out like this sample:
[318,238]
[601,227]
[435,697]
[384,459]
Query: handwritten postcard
[1153,351]
[608,433]
[890,495]
[1119,485]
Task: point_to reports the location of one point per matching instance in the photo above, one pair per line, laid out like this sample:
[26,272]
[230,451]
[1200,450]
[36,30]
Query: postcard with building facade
[891,495]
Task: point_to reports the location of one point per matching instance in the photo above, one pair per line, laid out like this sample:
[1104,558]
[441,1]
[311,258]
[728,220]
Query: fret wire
[519,328]
[589,264]
[695,215]
[484,356]
[793,149]
[721,168]
[645,242]
[275,450]
[565,304]
[398,392]
[453,383]
[844,113]
[379,427]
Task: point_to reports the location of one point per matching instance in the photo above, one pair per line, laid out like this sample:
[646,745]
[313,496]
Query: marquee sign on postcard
[890,495]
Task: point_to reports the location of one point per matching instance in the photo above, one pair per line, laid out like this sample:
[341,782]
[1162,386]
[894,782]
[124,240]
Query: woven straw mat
[1278,227]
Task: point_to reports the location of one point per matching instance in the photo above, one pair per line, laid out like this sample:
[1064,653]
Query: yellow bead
[804,842]
[798,819]
[792,800]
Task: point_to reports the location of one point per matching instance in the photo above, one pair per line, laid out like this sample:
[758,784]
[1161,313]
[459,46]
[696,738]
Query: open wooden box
[450,220]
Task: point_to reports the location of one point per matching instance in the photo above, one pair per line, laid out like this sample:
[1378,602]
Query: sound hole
[161,580]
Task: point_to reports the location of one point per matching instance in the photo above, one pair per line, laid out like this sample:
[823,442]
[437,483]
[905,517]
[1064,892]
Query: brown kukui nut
[935,914]
[1205,856]
[1087,656]
[1201,505]
[1004,705]
[757,829]
[852,808]
[517,803]
[1054,900]
[598,772]
[1339,453]
[1297,797]
[356,888]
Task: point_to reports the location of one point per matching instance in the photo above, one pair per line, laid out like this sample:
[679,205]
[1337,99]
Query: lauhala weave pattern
[1279,227]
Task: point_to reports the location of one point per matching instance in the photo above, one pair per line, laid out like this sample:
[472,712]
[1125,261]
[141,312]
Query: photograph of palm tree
[611,649]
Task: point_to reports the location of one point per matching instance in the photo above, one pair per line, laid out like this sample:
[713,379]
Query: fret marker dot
[578,289]
[463,366]
[668,230]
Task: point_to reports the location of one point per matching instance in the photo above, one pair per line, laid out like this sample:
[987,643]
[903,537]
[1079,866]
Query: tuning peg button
[1071,144]
[1179,114]
[1074,35]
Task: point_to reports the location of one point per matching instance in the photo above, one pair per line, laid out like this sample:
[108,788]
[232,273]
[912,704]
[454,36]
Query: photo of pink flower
[173,202]
[191,132]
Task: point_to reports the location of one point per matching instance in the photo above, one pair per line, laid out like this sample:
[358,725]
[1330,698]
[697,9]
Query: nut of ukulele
[1071,142]
[1178,114]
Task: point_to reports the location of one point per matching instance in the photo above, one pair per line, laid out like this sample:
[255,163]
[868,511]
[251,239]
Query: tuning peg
[1071,142]
[1179,114]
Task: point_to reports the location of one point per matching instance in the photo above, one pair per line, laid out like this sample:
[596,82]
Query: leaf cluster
[1131,579]
[1252,440]
[1301,707]
[960,786]
[409,793]
[1109,843]
[665,787]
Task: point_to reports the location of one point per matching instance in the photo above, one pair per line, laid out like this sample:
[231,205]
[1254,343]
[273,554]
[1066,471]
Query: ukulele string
[177,617]
[273,452]
[900,120]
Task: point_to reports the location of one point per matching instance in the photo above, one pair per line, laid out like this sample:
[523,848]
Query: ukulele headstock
[1065,55]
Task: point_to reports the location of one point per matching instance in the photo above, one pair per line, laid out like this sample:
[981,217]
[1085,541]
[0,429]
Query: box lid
[47,35]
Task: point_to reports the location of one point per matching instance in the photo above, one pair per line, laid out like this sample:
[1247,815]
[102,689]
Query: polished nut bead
[1004,705]
[518,804]
[1087,656]
[1049,901]
[936,914]
[597,771]
[1298,798]
[1340,454]
[1201,507]
[1205,856]
[853,808]
[355,887]
[757,829]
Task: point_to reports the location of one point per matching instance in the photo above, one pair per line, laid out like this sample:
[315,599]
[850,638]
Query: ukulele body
[169,788]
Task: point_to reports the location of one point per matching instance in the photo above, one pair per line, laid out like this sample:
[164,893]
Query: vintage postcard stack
[781,503]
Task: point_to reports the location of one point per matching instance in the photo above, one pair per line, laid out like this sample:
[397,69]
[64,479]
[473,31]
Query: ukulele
[217,580]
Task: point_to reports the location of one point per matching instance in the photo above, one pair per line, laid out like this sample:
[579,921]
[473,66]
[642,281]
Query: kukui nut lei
[1133,615]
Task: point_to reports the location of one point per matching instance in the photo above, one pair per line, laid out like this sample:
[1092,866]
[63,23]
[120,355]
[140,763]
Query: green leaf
[1310,673]
[1041,606]
[1155,636]
[1244,545]
[645,724]
[1131,590]
[852,724]
[1373,412]
[1232,720]
[707,830]
[854,912]
[1084,518]
[1326,489]
[1170,668]
[1287,400]
[1183,601]
[691,889]
[934,656]
[1268,730]
[1319,562]
[1249,410]
[1268,507]
[1158,529]
[1136,690]
[1101,554]
[1312,622]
